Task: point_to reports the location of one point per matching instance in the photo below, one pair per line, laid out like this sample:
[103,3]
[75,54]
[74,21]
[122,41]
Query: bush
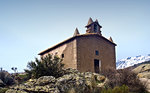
[20,77]
[46,66]
[3,90]
[23,77]
[6,78]
[124,77]
[122,89]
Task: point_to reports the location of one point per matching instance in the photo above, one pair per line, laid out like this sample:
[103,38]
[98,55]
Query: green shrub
[46,66]
[20,77]
[124,77]
[3,90]
[122,89]
[6,78]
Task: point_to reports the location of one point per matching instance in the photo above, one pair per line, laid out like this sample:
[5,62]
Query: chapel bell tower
[93,27]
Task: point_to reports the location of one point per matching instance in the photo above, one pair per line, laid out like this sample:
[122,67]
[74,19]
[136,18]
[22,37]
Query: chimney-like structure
[76,32]
[110,39]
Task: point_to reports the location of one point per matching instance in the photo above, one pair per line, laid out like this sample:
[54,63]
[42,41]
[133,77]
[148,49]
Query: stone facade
[86,52]
[67,52]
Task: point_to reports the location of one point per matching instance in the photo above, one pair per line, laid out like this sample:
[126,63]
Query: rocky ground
[146,82]
[143,72]
[72,82]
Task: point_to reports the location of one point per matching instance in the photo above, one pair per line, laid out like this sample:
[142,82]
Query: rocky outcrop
[146,82]
[143,70]
[72,82]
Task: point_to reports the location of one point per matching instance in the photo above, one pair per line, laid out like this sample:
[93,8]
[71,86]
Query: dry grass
[124,77]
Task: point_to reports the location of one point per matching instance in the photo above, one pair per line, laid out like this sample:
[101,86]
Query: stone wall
[79,53]
[86,47]
[69,51]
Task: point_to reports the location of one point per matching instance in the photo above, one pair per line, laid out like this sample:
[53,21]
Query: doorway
[97,65]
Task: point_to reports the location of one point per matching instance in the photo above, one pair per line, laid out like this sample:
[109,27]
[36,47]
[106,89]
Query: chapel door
[97,66]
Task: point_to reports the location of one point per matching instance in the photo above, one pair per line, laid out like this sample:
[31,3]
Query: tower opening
[93,27]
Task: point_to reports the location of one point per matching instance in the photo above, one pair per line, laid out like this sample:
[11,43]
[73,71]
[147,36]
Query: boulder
[146,82]
[45,80]
[15,91]
[71,82]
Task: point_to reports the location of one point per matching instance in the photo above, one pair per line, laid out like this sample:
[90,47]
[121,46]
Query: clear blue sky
[30,26]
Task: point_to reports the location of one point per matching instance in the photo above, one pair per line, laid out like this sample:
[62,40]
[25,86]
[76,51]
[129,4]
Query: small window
[96,52]
[62,56]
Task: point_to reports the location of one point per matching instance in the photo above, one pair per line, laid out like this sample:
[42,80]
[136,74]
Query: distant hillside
[143,70]
[132,61]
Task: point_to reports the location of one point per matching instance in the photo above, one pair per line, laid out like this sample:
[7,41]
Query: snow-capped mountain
[130,61]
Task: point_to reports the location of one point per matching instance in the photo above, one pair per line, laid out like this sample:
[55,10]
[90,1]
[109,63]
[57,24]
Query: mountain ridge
[131,61]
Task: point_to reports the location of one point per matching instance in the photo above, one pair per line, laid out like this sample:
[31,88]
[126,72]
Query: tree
[46,66]
[6,78]
[14,69]
[1,69]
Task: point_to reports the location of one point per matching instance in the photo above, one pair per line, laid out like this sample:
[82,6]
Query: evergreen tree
[46,66]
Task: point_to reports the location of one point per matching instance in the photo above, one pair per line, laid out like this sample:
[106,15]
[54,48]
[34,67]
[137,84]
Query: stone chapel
[90,52]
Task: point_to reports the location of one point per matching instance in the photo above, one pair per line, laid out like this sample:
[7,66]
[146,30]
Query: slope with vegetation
[143,70]
[47,75]
[71,82]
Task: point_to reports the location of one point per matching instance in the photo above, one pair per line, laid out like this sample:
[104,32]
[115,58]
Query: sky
[29,26]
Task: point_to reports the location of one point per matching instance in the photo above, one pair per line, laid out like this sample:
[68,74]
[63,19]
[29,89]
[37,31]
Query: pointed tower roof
[90,21]
[110,39]
[96,20]
[98,23]
[76,32]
